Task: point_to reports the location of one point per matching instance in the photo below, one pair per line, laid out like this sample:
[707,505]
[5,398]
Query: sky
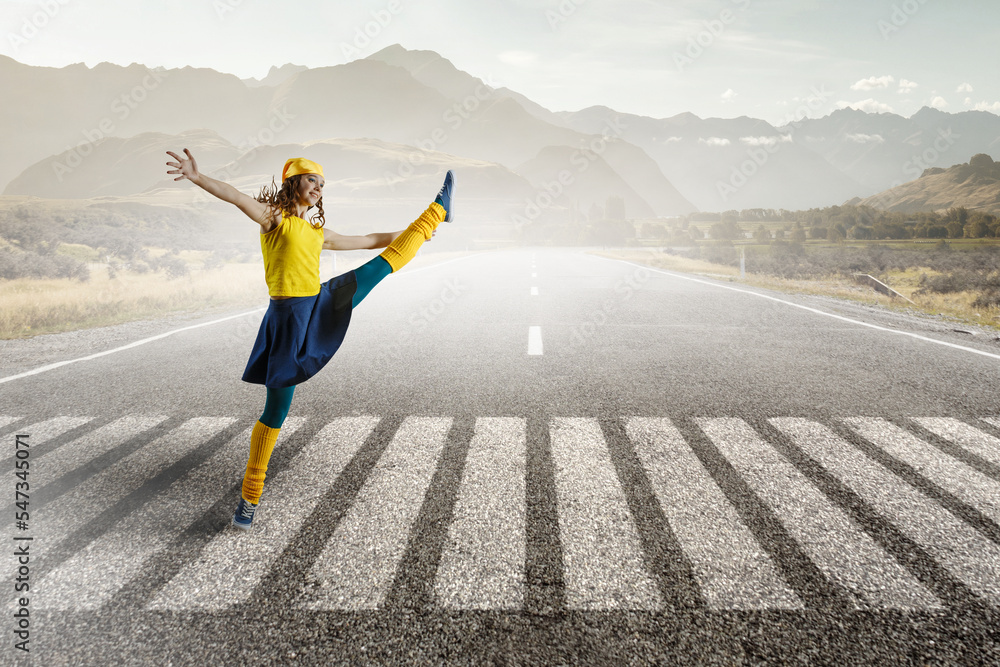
[777,60]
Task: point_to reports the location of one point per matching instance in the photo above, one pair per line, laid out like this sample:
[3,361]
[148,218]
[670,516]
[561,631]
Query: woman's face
[310,188]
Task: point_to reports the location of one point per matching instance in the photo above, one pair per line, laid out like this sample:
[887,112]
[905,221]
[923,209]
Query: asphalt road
[524,457]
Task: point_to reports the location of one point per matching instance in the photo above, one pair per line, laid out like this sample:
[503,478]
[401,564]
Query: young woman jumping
[306,321]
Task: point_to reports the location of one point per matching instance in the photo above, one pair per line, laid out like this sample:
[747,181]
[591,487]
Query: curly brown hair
[283,198]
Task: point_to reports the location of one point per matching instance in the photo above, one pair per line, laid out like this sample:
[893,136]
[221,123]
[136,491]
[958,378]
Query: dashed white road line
[534,291]
[534,341]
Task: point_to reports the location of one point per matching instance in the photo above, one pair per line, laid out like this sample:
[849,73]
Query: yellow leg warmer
[405,246]
[262,440]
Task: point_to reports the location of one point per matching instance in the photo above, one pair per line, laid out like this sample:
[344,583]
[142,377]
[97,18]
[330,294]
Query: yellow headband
[300,165]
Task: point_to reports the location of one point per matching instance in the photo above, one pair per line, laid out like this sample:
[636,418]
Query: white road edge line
[811,310]
[60,364]
[534,341]
[137,343]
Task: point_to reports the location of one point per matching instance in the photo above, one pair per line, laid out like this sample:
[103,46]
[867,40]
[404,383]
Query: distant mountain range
[974,185]
[387,127]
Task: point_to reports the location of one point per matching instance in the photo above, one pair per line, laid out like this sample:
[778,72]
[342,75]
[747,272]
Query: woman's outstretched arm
[188,168]
[334,241]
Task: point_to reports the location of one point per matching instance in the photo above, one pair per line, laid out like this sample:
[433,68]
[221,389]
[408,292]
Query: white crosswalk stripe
[93,575]
[967,554]
[483,556]
[83,450]
[50,466]
[357,566]
[234,563]
[841,550]
[966,483]
[972,439]
[482,567]
[732,569]
[44,431]
[603,561]
[92,497]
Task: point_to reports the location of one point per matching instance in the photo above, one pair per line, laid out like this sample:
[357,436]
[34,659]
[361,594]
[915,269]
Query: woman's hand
[187,168]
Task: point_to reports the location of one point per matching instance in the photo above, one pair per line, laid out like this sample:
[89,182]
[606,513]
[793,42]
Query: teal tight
[280,400]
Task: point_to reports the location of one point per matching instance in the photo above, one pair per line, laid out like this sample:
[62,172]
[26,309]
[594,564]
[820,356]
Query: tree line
[840,223]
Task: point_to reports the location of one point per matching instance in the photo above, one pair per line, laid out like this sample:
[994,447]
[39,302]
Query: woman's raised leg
[405,246]
[369,274]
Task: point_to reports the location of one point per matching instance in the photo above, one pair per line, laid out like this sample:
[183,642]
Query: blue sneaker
[444,197]
[244,514]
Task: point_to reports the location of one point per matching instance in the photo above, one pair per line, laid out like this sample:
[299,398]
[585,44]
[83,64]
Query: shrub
[25,264]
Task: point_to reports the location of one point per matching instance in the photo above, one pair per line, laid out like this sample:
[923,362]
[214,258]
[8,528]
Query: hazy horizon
[723,58]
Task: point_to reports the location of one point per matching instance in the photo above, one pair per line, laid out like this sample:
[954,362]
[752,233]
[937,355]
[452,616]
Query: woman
[306,321]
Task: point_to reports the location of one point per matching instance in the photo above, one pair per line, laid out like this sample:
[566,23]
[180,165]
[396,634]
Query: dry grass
[957,306]
[31,307]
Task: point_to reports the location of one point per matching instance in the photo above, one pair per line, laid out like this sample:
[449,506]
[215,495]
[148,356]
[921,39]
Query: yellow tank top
[291,257]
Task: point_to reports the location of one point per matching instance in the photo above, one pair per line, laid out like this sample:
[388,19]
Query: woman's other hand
[187,168]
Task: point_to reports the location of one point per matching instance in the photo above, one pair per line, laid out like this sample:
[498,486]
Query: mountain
[884,150]
[433,71]
[77,106]
[722,164]
[114,166]
[973,185]
[578,189]
[420,100]
[276,75]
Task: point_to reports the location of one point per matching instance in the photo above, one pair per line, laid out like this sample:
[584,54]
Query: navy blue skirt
[299,335]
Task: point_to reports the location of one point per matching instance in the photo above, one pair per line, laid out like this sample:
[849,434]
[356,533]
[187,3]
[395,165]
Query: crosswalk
[786,513]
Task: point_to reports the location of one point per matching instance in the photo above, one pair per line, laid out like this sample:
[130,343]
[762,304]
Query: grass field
[957,306]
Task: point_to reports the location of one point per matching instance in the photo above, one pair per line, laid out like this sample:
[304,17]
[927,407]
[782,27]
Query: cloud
[766,141]
[518,58]
[866,138]
[871,83]
[869,106]
[729,95]
[964,88]
[906,87]
[715,141]
[986,106]
[939,102]
[672,140]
